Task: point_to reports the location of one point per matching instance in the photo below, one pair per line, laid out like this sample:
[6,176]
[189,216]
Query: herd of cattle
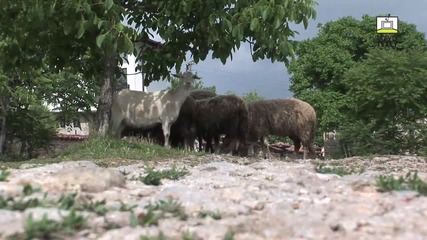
[177,117]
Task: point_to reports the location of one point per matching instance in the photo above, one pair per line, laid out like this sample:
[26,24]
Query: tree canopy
[352,81]
[58,51]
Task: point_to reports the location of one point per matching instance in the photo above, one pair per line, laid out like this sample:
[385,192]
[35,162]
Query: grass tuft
[103,150]
[154,177]
[3,175]
[161,209]
[46,228]
[338,170]
[411,181]
[214,215]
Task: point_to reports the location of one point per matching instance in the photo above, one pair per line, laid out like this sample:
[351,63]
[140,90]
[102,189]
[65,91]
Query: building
[134,81]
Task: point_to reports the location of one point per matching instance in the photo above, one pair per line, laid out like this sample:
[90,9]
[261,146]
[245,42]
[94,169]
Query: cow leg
[265,143]
[166,126]
[297,146]
[117,127]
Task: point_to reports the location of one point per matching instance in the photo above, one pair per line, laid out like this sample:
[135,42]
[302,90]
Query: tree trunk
[3,108]
[103,114]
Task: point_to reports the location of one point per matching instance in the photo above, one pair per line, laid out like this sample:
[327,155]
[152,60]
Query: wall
[134,78]
[81,128]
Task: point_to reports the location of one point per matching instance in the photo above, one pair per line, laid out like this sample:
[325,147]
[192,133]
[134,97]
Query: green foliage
[388,94]
[229,235]
[47,228]
[348,79]
[3,175]
[154,177]
[219,28]
[34,125]
[249,96]
[410,182]
[104,148]
[216,215]
[162,209]
[252,96]
[339,170]
[197,85]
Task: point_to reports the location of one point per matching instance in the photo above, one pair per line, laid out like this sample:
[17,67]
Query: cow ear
[178,75]
[196,77]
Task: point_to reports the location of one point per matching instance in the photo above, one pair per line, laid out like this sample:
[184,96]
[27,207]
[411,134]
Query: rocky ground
[219,198]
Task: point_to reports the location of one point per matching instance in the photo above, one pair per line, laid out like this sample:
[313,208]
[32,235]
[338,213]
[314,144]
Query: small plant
[97,207]
[411,181]
[3,175]
[215,215]
[161,209]
[46,228]
[126,208]
[229,235]
[269,178]
[187,235]
[339,170]
[21,204]
[154,177]
[161,236]
[72,222]
[41,229]
[28,190]
[66,201]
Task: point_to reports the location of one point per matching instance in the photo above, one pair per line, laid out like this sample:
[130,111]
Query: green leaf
[128,45]
[305,22]
[228,24]
[108,4]
[277,23]
[265,13]
[254,24]
[100,39]
[67,27]
[81,30]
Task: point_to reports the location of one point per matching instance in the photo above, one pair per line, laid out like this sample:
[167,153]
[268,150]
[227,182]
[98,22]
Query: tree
[63,33]
[318,71]
[197,85]
[388,95]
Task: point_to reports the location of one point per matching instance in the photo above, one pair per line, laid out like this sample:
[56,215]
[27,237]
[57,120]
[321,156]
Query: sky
[271,80]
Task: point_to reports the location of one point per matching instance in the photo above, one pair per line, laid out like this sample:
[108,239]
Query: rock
[82,179]
[11,222]
[223,194]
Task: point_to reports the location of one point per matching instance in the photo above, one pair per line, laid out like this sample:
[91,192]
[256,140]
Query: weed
[162,209]
[269,178]
[411,181]
[154,177]
[66,201]
[72,222]
[229,235]
[28,190]
[21,204]
[3,175]
[46,228]
[126,208]
[97,207]
[160,236]
[41,229]
[215,215]
[339,170]
[187,235]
